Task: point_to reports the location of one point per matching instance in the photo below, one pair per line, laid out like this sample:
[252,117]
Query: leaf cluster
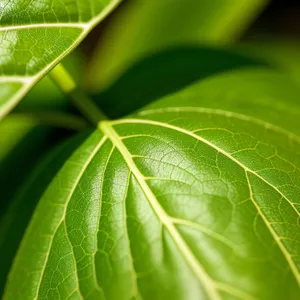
[164,165]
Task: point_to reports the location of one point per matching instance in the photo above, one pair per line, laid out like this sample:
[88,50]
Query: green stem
[82,102]
[56,119]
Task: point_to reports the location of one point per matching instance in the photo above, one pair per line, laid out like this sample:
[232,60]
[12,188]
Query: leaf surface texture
[181,200]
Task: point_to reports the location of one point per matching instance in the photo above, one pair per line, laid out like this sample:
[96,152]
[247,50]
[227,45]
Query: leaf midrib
[45,25]
[194,264]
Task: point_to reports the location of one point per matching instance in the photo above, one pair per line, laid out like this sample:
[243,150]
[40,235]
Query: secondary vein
[187,132]
[84,167]
[225,113]
[182,130]
[273,233]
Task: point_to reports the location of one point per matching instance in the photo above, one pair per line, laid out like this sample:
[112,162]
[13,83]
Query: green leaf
[38,123]
[141,28]
[25,137]
[35,36]
[46,94]
[282,53]
[23,141]
[164,73]
[194,197]
[15,220]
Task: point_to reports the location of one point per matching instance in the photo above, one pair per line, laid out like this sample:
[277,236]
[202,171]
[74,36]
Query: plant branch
[79,98]
[53,118]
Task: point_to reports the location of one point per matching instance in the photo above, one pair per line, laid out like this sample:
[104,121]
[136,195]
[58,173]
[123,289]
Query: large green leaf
[190,198]
[35,36]
[141,28]
[123,97]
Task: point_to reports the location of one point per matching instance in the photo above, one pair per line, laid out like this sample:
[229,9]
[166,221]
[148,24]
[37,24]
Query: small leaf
[35,36]
[193,197]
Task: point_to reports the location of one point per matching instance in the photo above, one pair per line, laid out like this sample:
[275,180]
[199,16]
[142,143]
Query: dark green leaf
[165,73]
[23,141]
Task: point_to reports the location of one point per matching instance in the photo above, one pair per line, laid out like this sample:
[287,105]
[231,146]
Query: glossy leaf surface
[189,198]
[36,35]
[46,95]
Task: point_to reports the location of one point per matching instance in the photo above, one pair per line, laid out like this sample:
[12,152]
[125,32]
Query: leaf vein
[97,285]
[207,142]
[225,113]
[194,264]
[273,233]
[84,167]
[244,167]
[44,25]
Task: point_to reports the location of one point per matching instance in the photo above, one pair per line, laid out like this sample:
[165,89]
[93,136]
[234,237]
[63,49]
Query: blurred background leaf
[280,53]
[140,28]
[166,72]
[25,138]
[22,143]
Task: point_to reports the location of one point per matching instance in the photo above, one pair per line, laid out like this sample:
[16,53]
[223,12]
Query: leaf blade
[159,211]
[244,167]
[17,215]
[167,200]
[39,46]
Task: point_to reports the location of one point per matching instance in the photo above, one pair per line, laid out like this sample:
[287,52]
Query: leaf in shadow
[164,73]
